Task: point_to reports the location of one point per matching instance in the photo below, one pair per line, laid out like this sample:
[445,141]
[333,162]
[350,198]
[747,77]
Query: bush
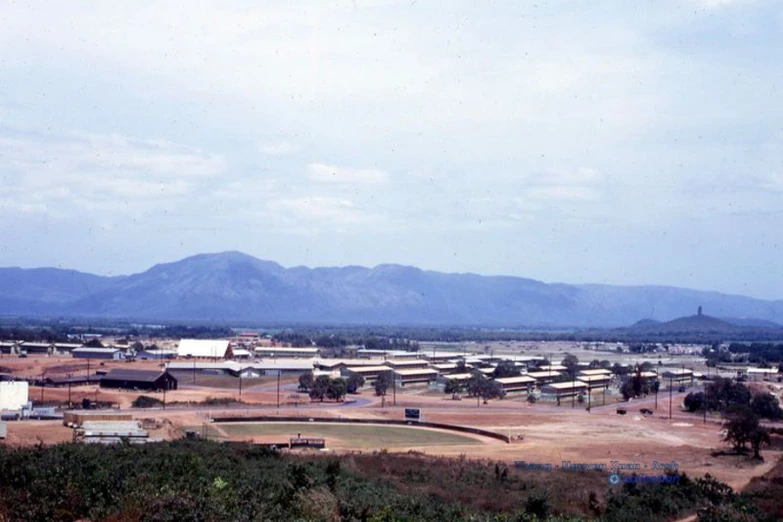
[145,401]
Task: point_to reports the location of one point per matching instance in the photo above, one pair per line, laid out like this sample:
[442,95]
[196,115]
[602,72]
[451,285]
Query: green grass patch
[359,436]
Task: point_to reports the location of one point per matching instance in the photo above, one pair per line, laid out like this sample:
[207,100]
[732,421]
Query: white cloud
[571,193]
[322,210]
[279,148]
[715,4]
[47,174]
[334,174]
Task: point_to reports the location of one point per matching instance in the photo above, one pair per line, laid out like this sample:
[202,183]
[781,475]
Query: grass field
[352,436]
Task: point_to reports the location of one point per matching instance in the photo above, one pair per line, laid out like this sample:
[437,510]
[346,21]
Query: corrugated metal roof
[96,350]
[202,347]
[417,371]
[459,376]
[121,374]
[368,369]
[595,372]
[515,380]
[541,375]
[566,385]
[594,378]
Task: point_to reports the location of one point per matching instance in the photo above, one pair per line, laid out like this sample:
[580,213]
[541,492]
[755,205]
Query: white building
[13,395]
[204,348]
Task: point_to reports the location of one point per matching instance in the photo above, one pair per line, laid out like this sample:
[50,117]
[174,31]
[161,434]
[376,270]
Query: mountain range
[232,287]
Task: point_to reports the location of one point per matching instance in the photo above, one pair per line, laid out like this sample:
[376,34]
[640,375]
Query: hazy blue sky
[618,142]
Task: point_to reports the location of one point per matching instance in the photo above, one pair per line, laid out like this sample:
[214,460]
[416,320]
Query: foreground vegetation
[200,480]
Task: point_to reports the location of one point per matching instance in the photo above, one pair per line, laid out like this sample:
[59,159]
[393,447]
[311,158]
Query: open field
[551,434]
[344,436]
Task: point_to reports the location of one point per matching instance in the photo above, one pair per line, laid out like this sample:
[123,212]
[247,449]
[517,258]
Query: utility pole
[573,391]
[43,385]
[88,367]
[705,402]
[194,371]
[670,396]
[165,385]
[657,385]
[240,382]
[394,389]
[69,391]
[278,389]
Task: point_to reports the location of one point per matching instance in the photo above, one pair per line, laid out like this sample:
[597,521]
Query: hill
[690,324]
[234,287]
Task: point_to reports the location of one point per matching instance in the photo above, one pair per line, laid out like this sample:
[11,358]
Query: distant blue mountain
[235,287]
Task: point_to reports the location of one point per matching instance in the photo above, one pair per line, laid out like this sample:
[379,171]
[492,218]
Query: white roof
[279,364]
[220,365]
[677,371]
[329,363]
[763,370]
[566,385]
[595,372]
[414,362]
[596,378]
[202,347]
[458,376]
[441,355]
[541,375]
[96,350]
[368,369]
[280,349]
[241,352]
[417,371]
[515,380]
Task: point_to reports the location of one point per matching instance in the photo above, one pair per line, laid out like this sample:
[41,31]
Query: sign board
[412,414]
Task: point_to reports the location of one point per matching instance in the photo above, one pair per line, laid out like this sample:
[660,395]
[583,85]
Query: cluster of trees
[635,386]
[642,348]
[724,395]
[743,427]
[760,354]
[34,335]
[338,340]
[742,411]
[477,386]
[324,387]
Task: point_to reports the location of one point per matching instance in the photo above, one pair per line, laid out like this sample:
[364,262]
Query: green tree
[476,383]
[491,390]
[453,387]
[724,393]
[506,369]
[320,387]
[759,436]
[383,383]
[355,381]
[619,369]
[766,406]
[571,362]
[336,389]
[306,381]
[740,427]
[694,401]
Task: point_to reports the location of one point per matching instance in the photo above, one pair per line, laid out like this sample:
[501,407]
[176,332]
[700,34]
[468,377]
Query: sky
[584,142]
